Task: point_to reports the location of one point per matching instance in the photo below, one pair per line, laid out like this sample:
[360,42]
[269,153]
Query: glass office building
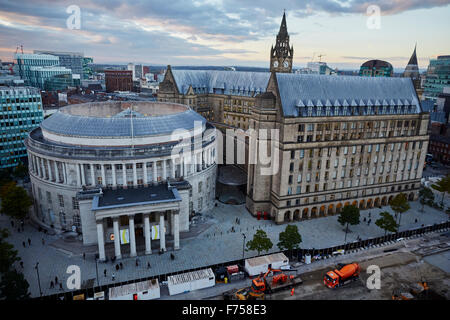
[20,112]
[70,60]
[25,61]
[49,78]
[438,77]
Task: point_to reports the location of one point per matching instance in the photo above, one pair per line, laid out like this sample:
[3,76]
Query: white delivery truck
[145,290]
[256,266]
[190,281]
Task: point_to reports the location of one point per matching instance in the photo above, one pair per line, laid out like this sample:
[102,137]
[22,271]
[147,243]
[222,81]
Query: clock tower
[281,56]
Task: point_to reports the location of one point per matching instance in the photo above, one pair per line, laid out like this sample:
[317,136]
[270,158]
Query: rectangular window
[61,200]
[75,204]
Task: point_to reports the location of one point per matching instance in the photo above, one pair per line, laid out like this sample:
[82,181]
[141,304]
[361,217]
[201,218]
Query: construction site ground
[403,264]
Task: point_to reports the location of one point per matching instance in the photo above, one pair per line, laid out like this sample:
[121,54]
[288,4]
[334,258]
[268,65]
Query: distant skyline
[228,32]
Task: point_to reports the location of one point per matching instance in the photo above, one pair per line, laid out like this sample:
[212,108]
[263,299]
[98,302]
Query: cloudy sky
[229,32]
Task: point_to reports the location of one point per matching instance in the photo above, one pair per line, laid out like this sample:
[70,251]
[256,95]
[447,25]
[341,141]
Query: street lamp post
[39,281]
[243,247]
[96,268]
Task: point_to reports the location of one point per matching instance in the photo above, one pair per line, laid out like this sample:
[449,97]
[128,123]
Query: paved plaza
[210,241]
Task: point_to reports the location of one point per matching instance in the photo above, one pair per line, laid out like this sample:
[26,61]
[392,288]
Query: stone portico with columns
[125,217]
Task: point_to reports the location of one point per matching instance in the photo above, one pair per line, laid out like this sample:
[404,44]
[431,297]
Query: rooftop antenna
[320,56]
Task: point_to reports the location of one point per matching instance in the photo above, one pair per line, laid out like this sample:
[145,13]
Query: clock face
[285,64]
[275,64]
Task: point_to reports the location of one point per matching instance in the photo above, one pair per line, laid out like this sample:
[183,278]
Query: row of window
[347,195]
[319,152]
[356,125]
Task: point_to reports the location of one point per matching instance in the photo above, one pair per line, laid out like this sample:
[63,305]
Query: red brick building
[118,80]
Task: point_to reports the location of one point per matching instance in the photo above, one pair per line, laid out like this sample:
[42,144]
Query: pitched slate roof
[221,82]
[304,90]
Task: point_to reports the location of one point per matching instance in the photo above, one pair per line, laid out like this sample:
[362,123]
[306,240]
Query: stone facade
[61,167]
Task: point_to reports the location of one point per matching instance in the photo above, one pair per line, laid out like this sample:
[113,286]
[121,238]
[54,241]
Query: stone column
[132,236]
[43,168]
[134,174]
[164,169]
[65,172]
[83,175]
[181,164]
[91,166]
[193,163]
[114,178]
[56,172]
[155,174]
[116,238]
[103,175]
[50,173]
[101,241]
[78,175]
[144,166]
[39,172]
[203,159]
[176,226]
[124,175]
[162,234]
[148,238]
[173,167]
[185,169]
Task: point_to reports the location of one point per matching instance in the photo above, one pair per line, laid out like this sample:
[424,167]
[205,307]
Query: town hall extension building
[343,140]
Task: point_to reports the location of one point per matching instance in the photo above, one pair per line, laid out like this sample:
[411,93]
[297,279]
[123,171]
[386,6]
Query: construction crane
[21,48]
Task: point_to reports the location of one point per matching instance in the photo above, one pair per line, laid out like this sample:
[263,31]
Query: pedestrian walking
[113,277]
[52,285]
[43,241]
[56,280]
[368,222]
[29,241]
[172,256]
[21,264]
[364,219]
[117,267]
[369,214]
[23,243]
[60,286]
[292,291]
[148,265]
[137,263]
[84,256]
[415,221]
[121,265]
[104,272]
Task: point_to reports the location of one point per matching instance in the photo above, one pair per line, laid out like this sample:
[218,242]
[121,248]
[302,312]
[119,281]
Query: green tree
[387,222]
[443,186]
[20,171]
[15,201]
[289,239]
[349,215]
[399,204]
[260,242]
[5,176]
[426,195]
[7,253]
[13,286]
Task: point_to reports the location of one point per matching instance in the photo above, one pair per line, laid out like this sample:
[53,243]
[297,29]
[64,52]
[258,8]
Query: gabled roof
[226,82]
[315,90]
